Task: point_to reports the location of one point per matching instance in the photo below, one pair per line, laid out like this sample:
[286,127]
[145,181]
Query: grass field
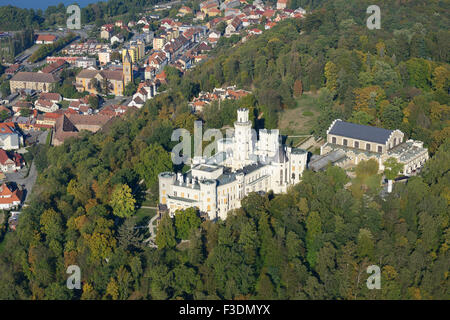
[300,120]
[143,215]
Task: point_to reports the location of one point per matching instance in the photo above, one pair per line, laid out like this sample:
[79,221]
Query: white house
[117,38]
[10,163]
[8,198]
[10,138]
[46,105]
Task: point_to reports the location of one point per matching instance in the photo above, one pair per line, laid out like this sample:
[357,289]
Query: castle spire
[127,69]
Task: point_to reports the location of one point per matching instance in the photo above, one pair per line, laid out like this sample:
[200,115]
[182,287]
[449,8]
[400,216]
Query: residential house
[119,38]
[104,57]
[46,105]
[213,37]
[157,60]
[106,31]
[9,197]
[10,161]
[51,96]
[270,25]
[234,26]
[47,120]
[12,69]
[255,31]
[10,137]
[200,15]
[114,110]
[25,123]
[184,11]
[54,67]
[45,39]
[281,4]
[228,4]
[146,90]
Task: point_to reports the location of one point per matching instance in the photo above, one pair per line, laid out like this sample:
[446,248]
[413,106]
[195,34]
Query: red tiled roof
[6,128]
[50,96]
[46,37]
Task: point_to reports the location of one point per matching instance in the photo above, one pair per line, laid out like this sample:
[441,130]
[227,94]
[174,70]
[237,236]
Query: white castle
[243,164]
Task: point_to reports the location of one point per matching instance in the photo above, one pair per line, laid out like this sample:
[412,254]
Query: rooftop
[360,132]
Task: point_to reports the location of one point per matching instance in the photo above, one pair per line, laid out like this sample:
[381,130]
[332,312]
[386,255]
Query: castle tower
[208,189]
[127,69]
[243,140]
[166,180]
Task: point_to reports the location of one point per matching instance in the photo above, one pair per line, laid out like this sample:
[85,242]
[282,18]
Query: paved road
[152,230]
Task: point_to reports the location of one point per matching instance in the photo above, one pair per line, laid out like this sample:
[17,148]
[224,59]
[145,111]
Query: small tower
[127,69]
[243,139]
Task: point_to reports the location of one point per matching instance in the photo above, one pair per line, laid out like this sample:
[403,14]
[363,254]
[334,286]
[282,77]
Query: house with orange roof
[44,105]
[184,11]
[270,25]
[9,198]
[47,120]
[10,137]
[45,39]
[10,161]
[213,12]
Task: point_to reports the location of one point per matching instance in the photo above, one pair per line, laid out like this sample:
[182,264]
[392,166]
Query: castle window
[368,146]
[380,149]
[395,141]
[344,142]
[293,176]
[357,144]
[333,140]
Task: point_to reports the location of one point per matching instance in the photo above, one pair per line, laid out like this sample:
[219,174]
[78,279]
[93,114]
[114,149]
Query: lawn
[300,120]
[149,203]
[143,215]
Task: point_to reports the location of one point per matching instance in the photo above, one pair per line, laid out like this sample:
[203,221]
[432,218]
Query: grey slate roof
[360,132]
[321,162]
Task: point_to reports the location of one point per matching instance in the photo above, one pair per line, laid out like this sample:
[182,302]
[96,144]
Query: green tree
[185,222]
[165,235]
[153,160]
[313,233]
[122,201]
[391,170]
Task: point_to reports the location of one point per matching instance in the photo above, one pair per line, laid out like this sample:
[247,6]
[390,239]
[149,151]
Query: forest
[314,242]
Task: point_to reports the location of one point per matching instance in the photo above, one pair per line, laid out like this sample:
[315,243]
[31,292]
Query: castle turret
[166,180]
[243,140]
[208,191]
